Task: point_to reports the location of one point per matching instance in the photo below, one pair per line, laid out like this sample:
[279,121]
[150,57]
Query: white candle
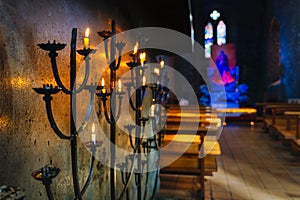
[102,82]
[119,85]
[93,136]
[156,71]
[152,110]
[86,40]
[144,81]
[135,48]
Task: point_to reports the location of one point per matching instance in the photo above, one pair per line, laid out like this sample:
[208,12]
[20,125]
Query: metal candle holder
[48,91]
[139,144]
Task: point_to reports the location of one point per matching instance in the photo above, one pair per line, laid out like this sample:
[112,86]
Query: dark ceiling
[156,13]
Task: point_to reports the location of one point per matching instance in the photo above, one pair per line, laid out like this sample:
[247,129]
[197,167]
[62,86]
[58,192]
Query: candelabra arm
[106,113]
[89,177]
[131,142]
[119,59]
[51,119]
[87,115]
[56,74]
[86,76]
[106,50]
[129,178]
[119,109]
[129,97]
[157,145]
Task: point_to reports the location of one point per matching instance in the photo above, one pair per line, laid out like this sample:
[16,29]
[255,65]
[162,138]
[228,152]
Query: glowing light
[86,39]
[135,49]
[20,82]
[162,63]
[215,15]
[142,58]
[221,33]
[4,121]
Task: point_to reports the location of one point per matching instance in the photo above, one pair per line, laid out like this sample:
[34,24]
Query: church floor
[253,166]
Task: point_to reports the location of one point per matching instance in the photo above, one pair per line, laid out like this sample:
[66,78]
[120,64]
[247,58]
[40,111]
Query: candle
[142,58]
[144,81]
[93,136]
[156,71]
[162,63]
[119,85]
[136,46]
[86,39]
[102,82]
[152,110]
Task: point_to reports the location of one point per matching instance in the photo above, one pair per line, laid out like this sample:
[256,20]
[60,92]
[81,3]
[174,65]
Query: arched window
[214,32]
[209,40]
[221,33]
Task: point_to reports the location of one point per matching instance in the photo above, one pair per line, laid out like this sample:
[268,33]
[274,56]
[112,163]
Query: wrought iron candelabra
[139,144]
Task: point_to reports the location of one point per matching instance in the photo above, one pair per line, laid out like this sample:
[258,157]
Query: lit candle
[162,63]
[136,46]
[119,85]
[86,39]
[156,71]
[142,58]
[144,81]
[93,136]
[102,82]
[152,110]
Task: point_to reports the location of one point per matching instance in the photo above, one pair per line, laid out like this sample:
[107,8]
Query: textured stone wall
[27,141]
[288,16]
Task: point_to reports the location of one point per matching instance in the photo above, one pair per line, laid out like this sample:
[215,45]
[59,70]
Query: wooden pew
[273,115]
[282,121]
[191,135]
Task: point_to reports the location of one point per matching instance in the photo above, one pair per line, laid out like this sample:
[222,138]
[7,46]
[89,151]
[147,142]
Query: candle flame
[143,57]
[162,63]
[87,32]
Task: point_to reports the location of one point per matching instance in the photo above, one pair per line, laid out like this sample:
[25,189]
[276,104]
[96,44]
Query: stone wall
[288,16]
[27,141]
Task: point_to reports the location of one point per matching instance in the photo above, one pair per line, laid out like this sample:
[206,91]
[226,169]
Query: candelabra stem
[89,177]
[47,184]
[154,192]
[73,115]
[113,69]
[138,137]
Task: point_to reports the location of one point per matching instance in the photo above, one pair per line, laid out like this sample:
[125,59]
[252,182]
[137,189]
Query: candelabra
[134,163]
[47,173]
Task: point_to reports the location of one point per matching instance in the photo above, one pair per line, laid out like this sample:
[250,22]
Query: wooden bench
[273,115]
[282,121]
[186,131]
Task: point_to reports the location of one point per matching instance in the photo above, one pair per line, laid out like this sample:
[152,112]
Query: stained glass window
[208,39]
[221,33]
